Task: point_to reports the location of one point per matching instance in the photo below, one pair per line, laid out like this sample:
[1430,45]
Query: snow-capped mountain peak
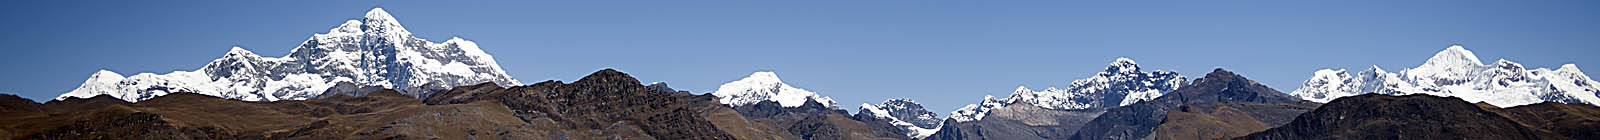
[1454,61]
[104,76]
[906,114]
[974,112]
[371,52]
[1122,83]
[1456,71]
[379,20]
[765,86]
[236,50]
[1123,65]
[1573,68]
[1455,55]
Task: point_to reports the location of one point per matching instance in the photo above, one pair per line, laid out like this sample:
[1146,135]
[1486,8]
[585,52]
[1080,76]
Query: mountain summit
[906,114]
[1121,83]
[765,86]
[374,52]
[1456,72]
[1055,113]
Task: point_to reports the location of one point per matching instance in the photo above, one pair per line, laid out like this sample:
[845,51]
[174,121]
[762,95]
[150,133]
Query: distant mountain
[905,114]
[1122,83]
[766,100]
[374,52]
[1377,116]
[1139,120]
[1457,72]
[765,86]
[1057,113]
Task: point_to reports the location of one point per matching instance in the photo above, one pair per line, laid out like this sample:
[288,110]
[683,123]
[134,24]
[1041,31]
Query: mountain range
[371,79]
[1056,113]
[358,56]
[1457,72]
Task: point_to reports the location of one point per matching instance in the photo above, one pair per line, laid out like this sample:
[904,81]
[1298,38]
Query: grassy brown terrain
[1576,121]
[1224,120]
[380,115]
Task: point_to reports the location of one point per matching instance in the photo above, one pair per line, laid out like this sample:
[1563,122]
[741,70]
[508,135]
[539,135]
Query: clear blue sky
[943,53]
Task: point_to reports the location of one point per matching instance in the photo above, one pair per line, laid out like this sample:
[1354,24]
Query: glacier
[1458,72]
[372,52]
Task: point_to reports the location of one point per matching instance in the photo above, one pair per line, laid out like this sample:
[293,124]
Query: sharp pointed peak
[239,50]
[104,72]
[1569,67]
[1454,55]
[1374,68]
[381,21]
[378,13]
[103,76]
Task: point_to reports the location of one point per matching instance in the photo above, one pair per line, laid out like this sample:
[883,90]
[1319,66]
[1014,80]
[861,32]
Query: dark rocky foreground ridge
[1374,116]
[604,105]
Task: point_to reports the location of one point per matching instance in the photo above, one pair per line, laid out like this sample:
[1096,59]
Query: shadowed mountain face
[604,105]
[1138,120]
[1374,116]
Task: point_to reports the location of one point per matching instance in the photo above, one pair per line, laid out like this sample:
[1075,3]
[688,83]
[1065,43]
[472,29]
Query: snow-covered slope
[916,121]
[374,51]
[1121,83]
[765,86]
[1458,72]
